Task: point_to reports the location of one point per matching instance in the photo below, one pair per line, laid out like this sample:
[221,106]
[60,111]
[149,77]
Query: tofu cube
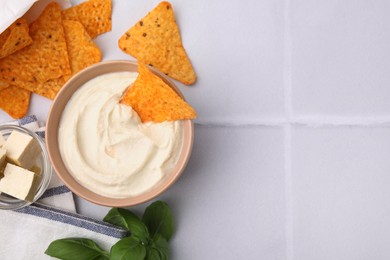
[19,183]
[2,140]
[22,149]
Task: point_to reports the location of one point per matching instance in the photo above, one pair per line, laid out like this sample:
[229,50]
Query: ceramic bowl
[52,129]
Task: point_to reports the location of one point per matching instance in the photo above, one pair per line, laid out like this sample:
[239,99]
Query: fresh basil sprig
[147,239]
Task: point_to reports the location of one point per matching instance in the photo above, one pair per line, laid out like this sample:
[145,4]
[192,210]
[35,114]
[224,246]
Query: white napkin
[27,232]
[10,10]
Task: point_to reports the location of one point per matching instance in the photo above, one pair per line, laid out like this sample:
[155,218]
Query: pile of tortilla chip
[155,40]
[42,56]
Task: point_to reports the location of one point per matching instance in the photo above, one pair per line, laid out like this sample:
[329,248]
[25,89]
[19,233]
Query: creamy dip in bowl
[107,148]
[100,148]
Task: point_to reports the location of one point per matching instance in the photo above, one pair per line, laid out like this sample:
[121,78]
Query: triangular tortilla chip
[46,58]
[14,38]
[15,101]
[154,100]
[95,15]
[82,51]
[155,40]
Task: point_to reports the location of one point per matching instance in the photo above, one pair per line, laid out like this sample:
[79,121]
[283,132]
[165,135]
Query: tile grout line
[288,192]
[305,121]
[335,121]
[288,105]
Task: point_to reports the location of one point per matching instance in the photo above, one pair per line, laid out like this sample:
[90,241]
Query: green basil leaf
[126,219]
[128,248]
[76,248]
[158,218]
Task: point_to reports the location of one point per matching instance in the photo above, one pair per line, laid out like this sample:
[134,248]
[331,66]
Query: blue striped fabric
[44,211]
[26,120]
[55,191]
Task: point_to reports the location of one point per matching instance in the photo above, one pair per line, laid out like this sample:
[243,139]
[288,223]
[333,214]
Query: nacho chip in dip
[154,100]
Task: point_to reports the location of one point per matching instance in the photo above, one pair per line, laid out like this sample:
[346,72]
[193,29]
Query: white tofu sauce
[105,146]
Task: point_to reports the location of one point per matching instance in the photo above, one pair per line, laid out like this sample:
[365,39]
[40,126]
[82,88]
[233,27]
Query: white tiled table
[292,141]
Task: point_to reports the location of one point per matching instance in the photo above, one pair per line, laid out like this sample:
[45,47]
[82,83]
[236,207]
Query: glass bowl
[42,162]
